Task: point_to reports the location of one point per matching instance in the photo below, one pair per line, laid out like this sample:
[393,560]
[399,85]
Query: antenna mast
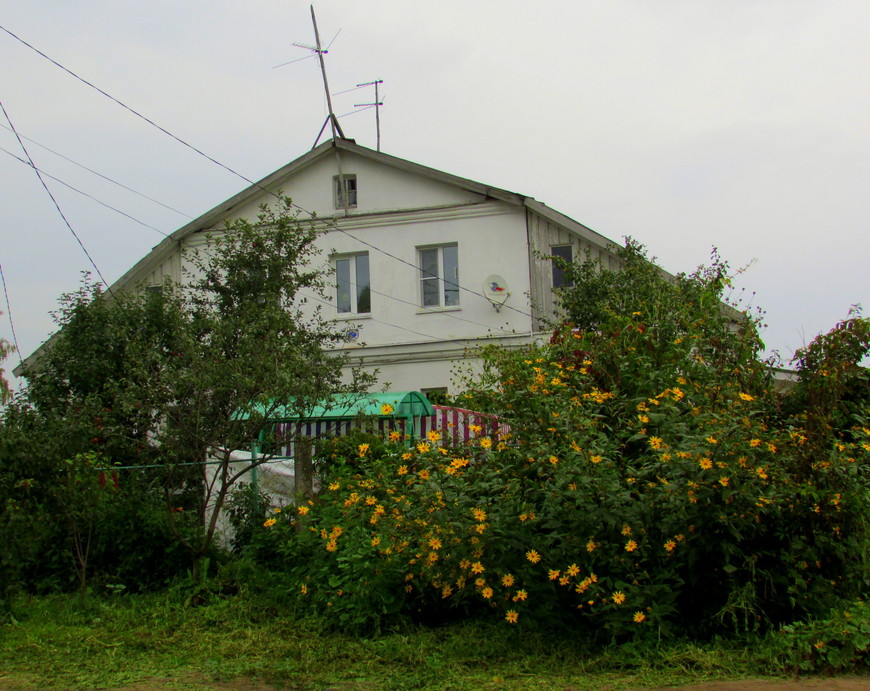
[333,121]
[377,104]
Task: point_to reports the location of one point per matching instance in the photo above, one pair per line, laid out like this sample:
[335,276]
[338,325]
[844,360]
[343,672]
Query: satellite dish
[495,289]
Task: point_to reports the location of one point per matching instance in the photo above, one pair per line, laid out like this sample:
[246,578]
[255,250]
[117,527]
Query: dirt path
[816,684]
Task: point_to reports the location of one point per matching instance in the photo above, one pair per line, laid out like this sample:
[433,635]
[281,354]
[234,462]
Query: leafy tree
[190,375]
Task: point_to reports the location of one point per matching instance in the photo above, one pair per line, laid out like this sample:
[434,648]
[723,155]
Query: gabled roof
[222,211]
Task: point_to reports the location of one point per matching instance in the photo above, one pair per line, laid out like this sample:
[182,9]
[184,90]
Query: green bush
[652,484]
[837,644]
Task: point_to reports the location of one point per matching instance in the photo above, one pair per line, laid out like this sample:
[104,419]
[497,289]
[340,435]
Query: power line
[54,201]
[101,175]
[75,189]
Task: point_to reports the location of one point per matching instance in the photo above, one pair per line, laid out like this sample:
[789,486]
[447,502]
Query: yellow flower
[386,409]
[433,435]
[304,589]
[626,529]
[362,448]
[533,556]
[639,617]
[554,460]
[507,580]
[269,523]
[712,440]
[596,459]
[755,442]
[573,570]
[618,597]
[520,596]
[590,546]
[477,567]
[303,510]
[630,546]
[486,592]
[403,470]
[376,541]
[486,443]
[423,474]
[554,574]
[407,456]
[511,616]
[395,435]
[655,442]
[435,543]
[705,463]
[277,509]
[334,486]
[670,546]
[746,397]
[423,447]
[479,514]
[724,481]
[475,428]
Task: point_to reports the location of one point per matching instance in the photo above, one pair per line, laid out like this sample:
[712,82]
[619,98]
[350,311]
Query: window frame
[558,279]
[448,297]
[356,290]
[350,189]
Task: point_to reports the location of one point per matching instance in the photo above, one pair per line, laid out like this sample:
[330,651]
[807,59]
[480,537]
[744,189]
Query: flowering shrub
[650,484]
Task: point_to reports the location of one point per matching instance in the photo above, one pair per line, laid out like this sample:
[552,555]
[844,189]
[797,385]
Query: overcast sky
[686,124]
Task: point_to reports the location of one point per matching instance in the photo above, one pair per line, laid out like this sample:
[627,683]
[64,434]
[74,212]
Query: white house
[422,258]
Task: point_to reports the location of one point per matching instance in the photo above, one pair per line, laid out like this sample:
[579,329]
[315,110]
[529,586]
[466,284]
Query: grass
[154,641]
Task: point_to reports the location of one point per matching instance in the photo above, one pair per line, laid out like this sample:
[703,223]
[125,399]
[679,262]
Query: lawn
[156,641]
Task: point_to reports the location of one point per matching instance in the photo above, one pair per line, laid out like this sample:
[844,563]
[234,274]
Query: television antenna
[377,106]
[318,50]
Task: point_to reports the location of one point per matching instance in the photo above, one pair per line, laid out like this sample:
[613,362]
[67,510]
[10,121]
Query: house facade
[428,266]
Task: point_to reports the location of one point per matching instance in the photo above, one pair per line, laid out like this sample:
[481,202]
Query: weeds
[155,639]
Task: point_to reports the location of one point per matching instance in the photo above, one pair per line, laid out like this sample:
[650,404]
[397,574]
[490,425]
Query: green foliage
[165,380]
[650,485]
[837,644]
[155,641]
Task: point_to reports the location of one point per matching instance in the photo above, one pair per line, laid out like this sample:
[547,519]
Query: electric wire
[228,168]
[101,175]
[54,201]
[9,314]
[85,194]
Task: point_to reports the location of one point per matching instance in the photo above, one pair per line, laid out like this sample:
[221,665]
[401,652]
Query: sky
[687,125]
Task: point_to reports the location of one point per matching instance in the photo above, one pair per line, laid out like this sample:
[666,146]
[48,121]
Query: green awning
[405,404]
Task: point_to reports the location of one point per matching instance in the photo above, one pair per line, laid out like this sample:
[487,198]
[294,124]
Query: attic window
[344,191]
[564,253]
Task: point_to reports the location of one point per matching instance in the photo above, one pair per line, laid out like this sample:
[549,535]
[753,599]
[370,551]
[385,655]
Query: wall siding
[544,234]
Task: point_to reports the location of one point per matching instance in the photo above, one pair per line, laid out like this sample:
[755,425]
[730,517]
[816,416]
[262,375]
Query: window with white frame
[565,253]
[439,275]
[344,191]
[352,284]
